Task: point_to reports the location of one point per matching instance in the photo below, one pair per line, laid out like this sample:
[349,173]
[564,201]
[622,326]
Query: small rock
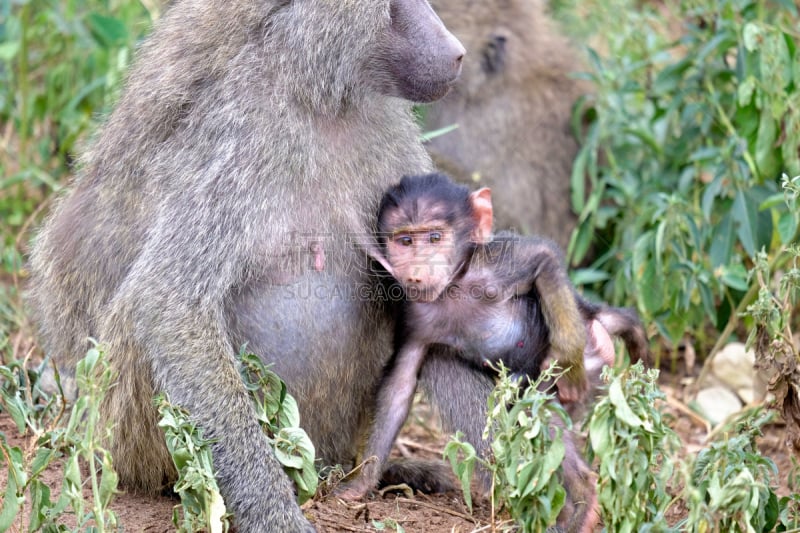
[733,366]
[717,403]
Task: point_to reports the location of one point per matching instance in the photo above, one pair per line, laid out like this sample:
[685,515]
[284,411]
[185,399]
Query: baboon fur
[244,128]
[513,107]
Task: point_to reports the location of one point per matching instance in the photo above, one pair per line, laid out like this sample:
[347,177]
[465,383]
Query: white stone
[717,403]
[733,366]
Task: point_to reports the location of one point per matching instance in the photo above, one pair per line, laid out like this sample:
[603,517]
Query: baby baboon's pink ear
[481,201]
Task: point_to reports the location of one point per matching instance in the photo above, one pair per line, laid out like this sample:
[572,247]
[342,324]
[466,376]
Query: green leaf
[463,468]
[787,227]
[9,50]
[588,276]
[771,512]
[623,411]
[16,479]
[40,504]
[766,153]
[44,456]
[553,459]
[753,36]
[108,481]
[108,32]
[745,91]
[648,284]
[722,245]
[776,67]
[669,79]
[578,181]
[18,410]
[735,277]
[745,213]
[600,434]
[581,240]
[428,135]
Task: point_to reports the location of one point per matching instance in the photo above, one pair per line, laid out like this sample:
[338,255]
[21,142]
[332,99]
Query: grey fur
[513,108]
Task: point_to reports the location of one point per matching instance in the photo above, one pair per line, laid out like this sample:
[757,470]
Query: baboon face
[421,57]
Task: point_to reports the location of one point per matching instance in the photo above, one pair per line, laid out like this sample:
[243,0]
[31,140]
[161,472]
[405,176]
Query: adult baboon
[512,106]
[212,211]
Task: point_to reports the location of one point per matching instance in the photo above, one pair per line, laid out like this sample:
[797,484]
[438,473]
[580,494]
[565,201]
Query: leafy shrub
[686,142]
[201,503]
[277,412]
[61,63]
[525,426]
[629,436]
[729,486]
[777,358]
[79,440]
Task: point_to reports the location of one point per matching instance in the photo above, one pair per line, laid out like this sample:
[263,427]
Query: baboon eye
[435,236]
[494,54]
[404,240]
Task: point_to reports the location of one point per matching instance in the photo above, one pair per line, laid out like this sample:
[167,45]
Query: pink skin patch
[319,256]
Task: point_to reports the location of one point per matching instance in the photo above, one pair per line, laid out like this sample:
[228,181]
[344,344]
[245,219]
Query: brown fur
[513,107]
[244,128]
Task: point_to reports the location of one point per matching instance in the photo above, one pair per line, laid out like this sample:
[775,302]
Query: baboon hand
[353,490]
[572,388]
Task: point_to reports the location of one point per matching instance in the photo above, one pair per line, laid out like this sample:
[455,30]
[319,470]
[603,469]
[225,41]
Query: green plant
[278,414]
[695,114]
[201,501]
[772,314]
[79,440]
[525,427]
[789,517]
[61,63]
[635,447]
[728,488]
[389,524]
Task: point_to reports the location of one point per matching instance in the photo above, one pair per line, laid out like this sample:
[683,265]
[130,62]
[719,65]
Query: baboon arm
[194,365]
[169,315]
[559,305]
[459,393]
[394,402]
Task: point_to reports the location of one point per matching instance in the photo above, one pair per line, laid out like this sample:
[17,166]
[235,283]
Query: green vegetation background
[684,183]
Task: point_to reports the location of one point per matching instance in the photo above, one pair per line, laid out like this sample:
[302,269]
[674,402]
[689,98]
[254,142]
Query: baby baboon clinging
[241,115]
[513,107]
[504,298]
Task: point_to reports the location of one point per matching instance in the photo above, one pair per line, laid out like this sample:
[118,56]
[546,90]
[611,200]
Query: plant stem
[24,88]
[89,449]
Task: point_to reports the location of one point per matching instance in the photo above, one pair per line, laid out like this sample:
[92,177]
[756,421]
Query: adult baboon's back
[513,106]
[249,133]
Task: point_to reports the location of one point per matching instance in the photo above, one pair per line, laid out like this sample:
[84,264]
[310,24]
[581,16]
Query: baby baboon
[513,107]
[239,116]
[502,297]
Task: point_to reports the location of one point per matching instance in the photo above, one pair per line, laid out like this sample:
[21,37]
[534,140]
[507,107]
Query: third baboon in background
[513,107]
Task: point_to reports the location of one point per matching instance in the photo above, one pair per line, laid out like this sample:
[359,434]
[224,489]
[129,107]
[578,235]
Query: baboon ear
[481,201]
[373,250]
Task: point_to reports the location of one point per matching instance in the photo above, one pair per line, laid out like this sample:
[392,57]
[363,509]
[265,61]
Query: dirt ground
[417,513]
